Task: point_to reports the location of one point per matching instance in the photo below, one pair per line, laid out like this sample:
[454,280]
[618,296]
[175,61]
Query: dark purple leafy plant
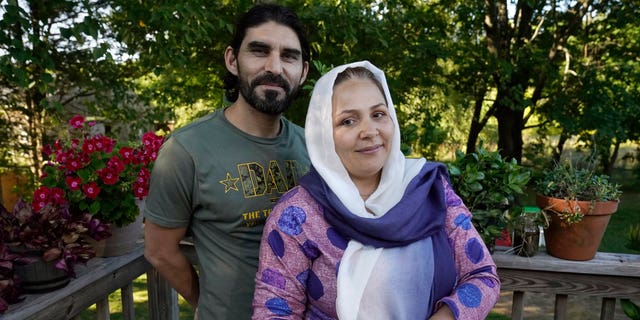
[10,289]
[53,232]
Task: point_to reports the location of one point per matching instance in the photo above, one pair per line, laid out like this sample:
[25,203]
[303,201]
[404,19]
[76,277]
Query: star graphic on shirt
[230,183]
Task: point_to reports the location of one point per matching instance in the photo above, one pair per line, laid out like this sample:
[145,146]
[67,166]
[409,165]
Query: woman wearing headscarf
[368,233]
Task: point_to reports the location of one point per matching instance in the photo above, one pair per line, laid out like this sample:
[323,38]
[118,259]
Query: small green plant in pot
[579,203]
[488,185]
[526,230]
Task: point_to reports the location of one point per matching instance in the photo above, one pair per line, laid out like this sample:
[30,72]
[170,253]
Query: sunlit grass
[141,302]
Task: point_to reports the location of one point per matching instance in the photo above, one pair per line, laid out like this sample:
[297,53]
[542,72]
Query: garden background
[538,80]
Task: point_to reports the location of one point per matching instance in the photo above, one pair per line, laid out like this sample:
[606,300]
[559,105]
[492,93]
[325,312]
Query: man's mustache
[271,79]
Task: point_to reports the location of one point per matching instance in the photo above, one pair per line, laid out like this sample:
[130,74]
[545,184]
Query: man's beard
[270,103]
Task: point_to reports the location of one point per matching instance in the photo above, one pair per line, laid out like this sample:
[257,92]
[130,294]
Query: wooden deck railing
[608,276]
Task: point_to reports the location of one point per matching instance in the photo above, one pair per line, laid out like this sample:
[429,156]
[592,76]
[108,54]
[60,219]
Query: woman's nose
[368,129]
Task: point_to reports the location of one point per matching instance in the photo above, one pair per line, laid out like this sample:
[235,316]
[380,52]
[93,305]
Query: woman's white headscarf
[360,261]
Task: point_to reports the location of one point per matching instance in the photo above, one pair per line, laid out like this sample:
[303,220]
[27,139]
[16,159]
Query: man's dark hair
[256,16]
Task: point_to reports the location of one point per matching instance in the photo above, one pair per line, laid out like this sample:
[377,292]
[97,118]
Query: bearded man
[218,177]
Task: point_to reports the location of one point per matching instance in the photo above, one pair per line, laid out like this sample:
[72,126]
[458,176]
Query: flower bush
[95,174]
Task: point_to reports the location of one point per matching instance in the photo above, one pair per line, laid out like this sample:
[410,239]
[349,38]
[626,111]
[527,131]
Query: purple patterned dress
[300,255]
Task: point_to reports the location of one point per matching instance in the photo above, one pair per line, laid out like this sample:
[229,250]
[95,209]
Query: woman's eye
[379,114]
[347,122]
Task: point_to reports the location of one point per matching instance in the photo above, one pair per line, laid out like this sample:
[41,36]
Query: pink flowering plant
[93,173]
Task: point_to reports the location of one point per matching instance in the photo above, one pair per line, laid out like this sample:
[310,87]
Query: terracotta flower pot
[580,240]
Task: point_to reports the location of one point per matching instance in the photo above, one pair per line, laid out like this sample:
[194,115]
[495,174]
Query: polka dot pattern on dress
[310,249]
[291,220]
[474,250]
[463,221]
[274,278]
[469,295]
[278,306]
[488,282]
[452,198]
[312,283]
[276,243]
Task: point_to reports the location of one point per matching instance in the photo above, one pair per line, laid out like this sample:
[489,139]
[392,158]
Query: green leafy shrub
[488,185]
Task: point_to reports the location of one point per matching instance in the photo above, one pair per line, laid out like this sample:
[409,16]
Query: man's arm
[162,250]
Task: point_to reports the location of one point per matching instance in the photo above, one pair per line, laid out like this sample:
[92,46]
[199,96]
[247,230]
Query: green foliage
[633,237]
[630,309]
[488,185]
[144,63]
[566,180]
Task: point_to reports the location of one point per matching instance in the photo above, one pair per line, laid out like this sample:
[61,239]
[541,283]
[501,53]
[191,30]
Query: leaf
[630,309]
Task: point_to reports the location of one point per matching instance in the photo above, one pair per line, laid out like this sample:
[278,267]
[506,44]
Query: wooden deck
[608,276]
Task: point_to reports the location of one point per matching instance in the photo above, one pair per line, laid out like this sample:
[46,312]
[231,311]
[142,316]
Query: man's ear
[305,71]
[231,61]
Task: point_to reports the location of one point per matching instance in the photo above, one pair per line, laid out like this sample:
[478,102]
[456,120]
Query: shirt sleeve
[172,187]
[478,287]
[279,292]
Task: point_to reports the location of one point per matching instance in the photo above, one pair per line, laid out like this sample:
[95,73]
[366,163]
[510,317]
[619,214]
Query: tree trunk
[510,125]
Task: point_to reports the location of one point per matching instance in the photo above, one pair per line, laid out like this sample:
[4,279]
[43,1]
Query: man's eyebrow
[258,45]
[263,45]
[292,51]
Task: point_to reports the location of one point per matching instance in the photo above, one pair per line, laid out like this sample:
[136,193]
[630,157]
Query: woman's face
[362,128]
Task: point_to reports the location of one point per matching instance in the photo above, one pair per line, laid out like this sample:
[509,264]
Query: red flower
[89,146]
[108,175]
[91,190]
[40,198]
[57,195]
[140,190]
[74,163]
[116,164]
[127,154]
[76,122]
[73,182]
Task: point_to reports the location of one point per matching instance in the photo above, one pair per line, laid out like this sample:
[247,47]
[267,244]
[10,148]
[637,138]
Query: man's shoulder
[293,127]
[204,123]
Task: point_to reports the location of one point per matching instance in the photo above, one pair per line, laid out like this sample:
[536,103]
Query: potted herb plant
[579,203]
[43,246]
[95,174]
[488,185]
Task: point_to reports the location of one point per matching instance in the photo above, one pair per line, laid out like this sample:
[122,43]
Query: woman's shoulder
[299,204]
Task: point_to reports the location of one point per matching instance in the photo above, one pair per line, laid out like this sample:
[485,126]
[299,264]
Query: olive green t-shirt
[222,183]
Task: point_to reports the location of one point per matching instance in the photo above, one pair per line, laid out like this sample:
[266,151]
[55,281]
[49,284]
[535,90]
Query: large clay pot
[123,239]
[580,240]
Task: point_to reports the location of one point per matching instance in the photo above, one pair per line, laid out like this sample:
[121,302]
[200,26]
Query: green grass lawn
[614,241]
[140,299]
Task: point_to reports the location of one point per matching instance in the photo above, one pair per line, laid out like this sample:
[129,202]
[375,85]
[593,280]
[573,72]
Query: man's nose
[274,64]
